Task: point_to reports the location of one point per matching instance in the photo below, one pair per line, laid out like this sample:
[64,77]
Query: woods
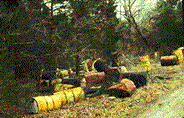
[39,32]
[38,35]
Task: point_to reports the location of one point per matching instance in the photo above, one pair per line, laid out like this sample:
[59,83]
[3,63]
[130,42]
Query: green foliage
[94,24]
[168,25]
[30,38]
[15,97]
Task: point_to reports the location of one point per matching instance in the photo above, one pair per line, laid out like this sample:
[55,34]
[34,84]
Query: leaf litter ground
[163,80]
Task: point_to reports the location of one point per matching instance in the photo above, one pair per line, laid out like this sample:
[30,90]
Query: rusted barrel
[124,88]
[139,78]
[169,60]
[130,86]
[46,103]
[94,77]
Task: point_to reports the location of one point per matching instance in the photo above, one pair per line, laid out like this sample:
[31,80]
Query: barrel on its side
[94,77]
[139,78]
[120,69]
[72,95]
[123,89]
[46,103]
[169,60]
[61,87]
[87,65]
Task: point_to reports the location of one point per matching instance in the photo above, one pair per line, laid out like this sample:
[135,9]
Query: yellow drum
[52,102]
[64,73]
[62,97]
[40,104]
[145,62]
[78,94]
[179,55]
[45,103]
[87,65]
[69,96]
[57,101]
[122,69]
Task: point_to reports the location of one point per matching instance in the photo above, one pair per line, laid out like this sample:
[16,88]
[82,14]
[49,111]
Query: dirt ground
[161,97]
[170,106]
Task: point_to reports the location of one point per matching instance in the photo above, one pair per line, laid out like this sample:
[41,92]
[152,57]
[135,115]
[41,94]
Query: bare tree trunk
[77,64]
[52,63]
[130,18]
[139,32]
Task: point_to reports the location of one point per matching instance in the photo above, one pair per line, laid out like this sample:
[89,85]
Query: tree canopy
[168,25]
[34,30]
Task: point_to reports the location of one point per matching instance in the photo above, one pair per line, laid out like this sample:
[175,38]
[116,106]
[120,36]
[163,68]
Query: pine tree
[168,25]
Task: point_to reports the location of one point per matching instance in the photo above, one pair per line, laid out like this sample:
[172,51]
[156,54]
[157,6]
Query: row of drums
[41,104]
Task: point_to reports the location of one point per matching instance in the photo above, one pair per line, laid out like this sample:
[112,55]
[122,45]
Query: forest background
[34,36]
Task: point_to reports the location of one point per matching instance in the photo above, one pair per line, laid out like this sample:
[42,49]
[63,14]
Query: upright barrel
[145,63]
[179,55]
